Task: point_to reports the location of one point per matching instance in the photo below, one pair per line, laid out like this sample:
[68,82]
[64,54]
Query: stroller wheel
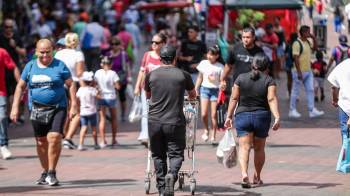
[147,185]
[193,186]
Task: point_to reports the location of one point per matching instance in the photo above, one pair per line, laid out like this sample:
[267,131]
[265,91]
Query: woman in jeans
[255,93]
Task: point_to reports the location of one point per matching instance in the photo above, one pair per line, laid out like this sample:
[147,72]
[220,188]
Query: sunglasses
[8,26]
[115,44]
[155,42]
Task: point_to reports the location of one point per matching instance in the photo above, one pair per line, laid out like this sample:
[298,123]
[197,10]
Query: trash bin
[320,31]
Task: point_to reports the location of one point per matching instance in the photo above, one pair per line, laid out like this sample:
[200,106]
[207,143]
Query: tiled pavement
[301,159]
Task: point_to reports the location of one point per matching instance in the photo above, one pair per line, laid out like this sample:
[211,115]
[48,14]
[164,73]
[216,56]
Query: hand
[348,123]
[228,123]
[137,92]
[14,114]
[12,43]
[300,76]
[335,102]
[276,124]
[222,85]
[194,66]
[197,92]
[189,58]
[73,112]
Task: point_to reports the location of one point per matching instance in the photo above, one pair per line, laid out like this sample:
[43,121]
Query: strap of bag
[221,97]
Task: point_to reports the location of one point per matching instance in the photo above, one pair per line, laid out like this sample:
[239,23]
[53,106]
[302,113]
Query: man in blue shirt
[45,78]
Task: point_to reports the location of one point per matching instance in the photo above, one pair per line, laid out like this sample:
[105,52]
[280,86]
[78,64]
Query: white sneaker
[81,148]
[294,114]
[315,113]
[6,154]
[103,145]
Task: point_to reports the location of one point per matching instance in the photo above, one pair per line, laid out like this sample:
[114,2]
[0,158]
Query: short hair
[303,29]
[249,30]
[71,40]
[193,27]
[167,54]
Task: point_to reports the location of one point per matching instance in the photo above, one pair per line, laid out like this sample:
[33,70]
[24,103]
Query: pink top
[149,63]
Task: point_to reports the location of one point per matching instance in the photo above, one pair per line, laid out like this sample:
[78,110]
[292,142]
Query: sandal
[257,181]
[245,183]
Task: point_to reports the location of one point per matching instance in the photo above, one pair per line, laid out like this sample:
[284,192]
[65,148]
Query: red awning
[164,5]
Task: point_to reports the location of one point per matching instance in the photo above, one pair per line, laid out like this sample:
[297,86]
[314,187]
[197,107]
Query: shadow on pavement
[291,145]
[221,190]
[34,157]
[70,185]
[309,184]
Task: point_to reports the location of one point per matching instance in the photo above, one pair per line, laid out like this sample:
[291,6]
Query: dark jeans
[166,140]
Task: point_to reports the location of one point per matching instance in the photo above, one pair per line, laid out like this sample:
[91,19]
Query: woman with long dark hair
[255,94]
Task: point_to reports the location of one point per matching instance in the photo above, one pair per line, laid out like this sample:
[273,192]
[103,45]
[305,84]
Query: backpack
[341,55]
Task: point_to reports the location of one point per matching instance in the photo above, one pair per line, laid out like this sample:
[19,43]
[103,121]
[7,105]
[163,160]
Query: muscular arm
[227,69]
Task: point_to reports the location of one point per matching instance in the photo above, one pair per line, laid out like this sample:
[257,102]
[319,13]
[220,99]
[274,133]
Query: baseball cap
[343,39]
[87,76]
[167,52]
[61,42]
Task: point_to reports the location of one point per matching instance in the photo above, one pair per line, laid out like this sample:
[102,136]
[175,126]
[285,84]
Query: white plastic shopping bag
[136,110]
[226,152]
[130,91]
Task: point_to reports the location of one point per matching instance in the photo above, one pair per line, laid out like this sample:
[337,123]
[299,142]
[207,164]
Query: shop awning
[264,4]
[164,5]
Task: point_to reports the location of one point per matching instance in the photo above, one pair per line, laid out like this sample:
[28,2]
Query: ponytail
[260,64]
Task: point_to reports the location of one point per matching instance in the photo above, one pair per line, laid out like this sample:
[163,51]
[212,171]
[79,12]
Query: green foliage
[249,16]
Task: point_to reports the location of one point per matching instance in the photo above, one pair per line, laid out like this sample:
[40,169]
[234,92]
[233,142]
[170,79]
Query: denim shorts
[257,122]
[110,103]
[90,119]
[209,93]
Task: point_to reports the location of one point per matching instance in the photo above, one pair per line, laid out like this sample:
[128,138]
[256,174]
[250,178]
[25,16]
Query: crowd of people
[77,72]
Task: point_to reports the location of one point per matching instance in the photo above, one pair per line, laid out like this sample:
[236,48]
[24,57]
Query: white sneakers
[6,154]
[314,113]
[294,114]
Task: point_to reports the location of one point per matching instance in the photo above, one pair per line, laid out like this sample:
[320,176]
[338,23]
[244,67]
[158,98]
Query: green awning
[264,4]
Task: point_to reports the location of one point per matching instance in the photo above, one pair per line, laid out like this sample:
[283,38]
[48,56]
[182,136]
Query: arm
[192,94]
[314,41]
[232,105]
[139,81]
[117,85]
[17,74]
[297,66]
[21,85]
[335,96]
[198,83]
[73,99]
[273,103]
[227,70]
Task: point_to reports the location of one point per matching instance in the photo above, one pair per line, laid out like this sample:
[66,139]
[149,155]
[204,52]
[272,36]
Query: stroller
[191,109]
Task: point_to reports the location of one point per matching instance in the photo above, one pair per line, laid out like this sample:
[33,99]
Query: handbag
[42,113]
[343,164]
[221,110]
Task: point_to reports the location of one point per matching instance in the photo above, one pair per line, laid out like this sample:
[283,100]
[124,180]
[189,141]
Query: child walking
[319,68]
[207,86]
[88,113]
[107,81]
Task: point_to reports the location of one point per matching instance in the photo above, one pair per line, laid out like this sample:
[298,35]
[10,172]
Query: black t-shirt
[5,43]
[196,49]
[253,94]
[241,58]
[167,86]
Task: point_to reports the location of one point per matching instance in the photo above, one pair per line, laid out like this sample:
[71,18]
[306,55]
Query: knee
[41,141]
[204,116]
[258,149]
[54,137]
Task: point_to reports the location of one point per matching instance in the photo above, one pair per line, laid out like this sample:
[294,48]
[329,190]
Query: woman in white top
[74,60]
[208,82]
[107,81]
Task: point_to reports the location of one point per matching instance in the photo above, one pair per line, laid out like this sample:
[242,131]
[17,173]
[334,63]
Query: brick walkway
[301,159]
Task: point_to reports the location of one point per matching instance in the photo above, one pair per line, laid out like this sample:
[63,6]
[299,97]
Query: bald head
[43,50]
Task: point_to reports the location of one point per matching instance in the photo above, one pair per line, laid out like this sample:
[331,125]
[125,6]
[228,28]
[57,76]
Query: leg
[102,124]
[122,99]
[309,89]
[176,137]
[114,117]
[94,135]
[289,82]
[3,121]
[72,127]
[54,149]
[259,157]
[158,148]
[204,113]
[42,150]
[83,131]
[213,105]
[245,144]
[295,91]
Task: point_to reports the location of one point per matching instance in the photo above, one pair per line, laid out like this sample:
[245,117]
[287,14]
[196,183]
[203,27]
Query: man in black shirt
[165,87]
[192,52]
[241,56]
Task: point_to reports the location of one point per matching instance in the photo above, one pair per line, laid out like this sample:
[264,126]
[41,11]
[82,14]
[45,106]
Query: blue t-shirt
[46,85]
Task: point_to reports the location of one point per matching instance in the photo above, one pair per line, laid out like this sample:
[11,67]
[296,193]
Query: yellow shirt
[305,56]
[309,3]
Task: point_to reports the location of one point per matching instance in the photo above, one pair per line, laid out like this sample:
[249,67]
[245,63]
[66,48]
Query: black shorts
[56,125]
[121,93]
